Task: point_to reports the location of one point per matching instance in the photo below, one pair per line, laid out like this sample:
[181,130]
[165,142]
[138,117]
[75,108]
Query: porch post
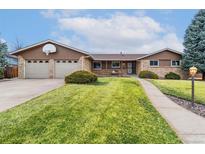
[106,65]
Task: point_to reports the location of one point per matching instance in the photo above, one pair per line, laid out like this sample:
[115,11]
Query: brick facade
[165,57]
[161,71]
[51,67]
[21,67]
[86,63]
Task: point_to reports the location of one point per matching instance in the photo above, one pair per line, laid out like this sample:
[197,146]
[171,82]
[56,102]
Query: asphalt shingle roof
[116,56]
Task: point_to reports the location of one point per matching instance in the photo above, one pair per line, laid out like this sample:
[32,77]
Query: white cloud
[119,32]
[60,13]
[169,40]
[2,40]
[49,13]
[140,12]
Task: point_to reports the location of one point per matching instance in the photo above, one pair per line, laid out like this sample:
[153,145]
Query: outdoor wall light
[192,72]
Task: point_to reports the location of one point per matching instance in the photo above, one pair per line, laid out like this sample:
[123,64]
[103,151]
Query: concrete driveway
[18,91]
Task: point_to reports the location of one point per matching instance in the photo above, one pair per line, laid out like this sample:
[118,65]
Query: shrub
[148,75]
[1,73]
[172,75]
[81,77]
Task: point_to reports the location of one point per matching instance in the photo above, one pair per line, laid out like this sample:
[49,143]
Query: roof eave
[159,51]
[114,59]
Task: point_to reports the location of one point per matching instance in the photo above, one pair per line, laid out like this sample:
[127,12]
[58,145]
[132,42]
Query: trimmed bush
[148,75]
[1,73]
[81,77]
[172,75]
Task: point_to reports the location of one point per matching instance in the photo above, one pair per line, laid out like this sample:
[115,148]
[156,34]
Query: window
[46,61]
[40,61]
[75,61]
[64,61]
[97,65]
[69,61]
[115,64]
[29,61]
[175,63]
[154,63]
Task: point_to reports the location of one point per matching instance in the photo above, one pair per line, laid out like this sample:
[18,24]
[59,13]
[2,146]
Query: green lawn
[182,89]
[114,110]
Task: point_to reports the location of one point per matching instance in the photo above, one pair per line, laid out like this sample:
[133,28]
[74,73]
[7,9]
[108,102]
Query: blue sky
[98,31]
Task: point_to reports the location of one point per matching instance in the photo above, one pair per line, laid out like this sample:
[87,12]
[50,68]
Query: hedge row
[151,75]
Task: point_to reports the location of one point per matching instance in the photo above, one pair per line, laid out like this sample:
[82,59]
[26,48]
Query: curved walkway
[189,126]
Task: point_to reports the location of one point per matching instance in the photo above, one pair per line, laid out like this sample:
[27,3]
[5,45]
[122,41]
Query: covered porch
[114,68]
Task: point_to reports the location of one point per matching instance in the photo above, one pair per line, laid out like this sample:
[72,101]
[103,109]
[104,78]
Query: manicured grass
[114,110]
[182,89]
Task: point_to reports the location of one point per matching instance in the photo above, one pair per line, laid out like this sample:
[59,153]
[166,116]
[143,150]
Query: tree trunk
[203,77]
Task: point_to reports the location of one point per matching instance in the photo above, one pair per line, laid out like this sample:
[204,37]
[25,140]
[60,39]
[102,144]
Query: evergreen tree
[3,51]
[194,43]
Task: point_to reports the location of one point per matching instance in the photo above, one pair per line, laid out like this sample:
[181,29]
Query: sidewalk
[188,126]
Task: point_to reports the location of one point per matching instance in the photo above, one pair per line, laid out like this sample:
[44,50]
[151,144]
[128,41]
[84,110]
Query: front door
[129,68]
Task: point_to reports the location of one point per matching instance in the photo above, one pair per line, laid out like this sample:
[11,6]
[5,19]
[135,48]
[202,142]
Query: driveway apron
[18,91]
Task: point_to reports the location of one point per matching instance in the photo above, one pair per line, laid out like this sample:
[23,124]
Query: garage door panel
[37,69]
[64,67]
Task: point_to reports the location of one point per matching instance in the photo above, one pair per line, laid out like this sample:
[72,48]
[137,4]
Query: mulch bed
[198,108]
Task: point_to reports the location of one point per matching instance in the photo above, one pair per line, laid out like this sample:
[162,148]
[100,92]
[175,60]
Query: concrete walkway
[189,126]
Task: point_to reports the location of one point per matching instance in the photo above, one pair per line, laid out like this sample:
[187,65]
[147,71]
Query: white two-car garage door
[36,69]
[63,67]
[39,69]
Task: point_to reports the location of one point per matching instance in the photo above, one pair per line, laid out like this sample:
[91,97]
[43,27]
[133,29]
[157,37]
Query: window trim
[115,67]
[100,65]
[154,65]
[176,65]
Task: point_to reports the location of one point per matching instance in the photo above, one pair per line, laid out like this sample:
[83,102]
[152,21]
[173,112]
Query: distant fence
[11,72]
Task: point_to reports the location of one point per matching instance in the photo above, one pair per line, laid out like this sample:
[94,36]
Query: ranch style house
[51,59]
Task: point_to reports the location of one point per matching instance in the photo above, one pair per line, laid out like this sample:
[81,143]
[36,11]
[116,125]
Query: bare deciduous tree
[18,44]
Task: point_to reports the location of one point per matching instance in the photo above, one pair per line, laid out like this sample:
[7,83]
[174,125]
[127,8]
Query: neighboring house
[34,62]
[11,59]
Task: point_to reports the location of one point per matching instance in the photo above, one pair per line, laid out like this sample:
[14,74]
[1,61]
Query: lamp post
[192,72]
